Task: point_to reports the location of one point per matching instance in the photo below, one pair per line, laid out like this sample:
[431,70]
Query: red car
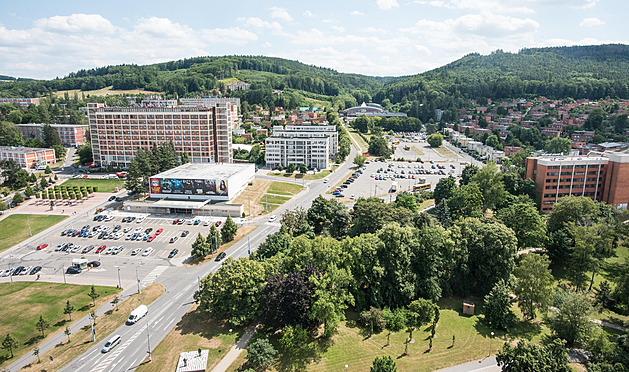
[85,176]
[151,238]
[159,231]
[41,246]
[218,223]
[101,248]
[175,221]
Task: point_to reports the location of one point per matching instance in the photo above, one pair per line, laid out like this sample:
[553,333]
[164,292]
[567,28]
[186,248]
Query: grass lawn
[14,228]
[108,185]
[284,188]
[417,150]
[23,303]
[351,345]
[426,203]
[362,144]
[316,176]
[275,199]
[193,331]
[65,352]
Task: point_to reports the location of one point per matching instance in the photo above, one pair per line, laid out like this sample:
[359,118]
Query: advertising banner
[177,186]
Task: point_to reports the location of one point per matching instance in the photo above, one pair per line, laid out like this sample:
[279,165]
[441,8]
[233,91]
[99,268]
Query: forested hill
[201,75]
[580,72]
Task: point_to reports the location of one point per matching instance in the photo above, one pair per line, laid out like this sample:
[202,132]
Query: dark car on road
[220,256]
[173,253]
[73,270]
[93,264]
[35,270]
[18,270]
[185,233]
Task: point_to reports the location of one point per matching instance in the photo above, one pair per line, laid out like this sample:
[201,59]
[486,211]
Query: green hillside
[579,72]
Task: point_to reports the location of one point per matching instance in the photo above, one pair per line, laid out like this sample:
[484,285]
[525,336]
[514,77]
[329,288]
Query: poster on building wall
[188,186]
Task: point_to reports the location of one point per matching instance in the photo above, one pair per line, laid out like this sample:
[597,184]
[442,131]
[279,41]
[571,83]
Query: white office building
[312,145]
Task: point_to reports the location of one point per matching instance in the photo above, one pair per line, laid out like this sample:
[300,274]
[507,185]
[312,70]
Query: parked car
[26,270]
[42,246]
[113,197]
[151,238]
[218,223]
[136,251]
[185,233]
[159,231]
[101,248]
[93,264]
[174,239]
[35,270]
[147,251]
[173,253]
[18,270]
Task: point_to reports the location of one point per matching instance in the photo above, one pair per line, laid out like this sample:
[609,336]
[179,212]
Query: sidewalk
[488,364]
[235,350]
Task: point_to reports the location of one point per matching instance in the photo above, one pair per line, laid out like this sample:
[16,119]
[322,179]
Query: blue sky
[48,39]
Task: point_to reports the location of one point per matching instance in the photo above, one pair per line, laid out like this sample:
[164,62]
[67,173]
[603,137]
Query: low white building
[312,145]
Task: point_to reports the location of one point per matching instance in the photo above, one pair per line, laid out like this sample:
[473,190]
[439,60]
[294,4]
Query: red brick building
[600,176]
[28,157]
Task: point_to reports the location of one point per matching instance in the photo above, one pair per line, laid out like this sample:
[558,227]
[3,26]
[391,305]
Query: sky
[48,39]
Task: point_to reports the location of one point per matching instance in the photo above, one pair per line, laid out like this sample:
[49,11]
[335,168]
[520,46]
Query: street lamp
[230,335]
[119,285]
[63,270]
[138,279]
[490,340]
[148,339]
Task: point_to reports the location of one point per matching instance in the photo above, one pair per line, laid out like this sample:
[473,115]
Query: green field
[103,185]
[23,303]
[284,188]
[14,228]
[363,146]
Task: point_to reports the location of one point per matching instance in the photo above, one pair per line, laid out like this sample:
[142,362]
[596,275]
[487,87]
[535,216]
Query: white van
[137,314]
[115,340]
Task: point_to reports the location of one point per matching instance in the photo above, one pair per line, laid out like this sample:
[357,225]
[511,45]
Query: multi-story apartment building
[600,176]
[28,157]
[204,133]
[312,145]
[582,136]
[23,102]
[212,101]
[70,134]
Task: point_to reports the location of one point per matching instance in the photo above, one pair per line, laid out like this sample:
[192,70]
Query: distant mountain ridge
[593,72]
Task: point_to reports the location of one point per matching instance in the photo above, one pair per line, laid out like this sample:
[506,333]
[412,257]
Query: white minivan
[115,340]
[137,314]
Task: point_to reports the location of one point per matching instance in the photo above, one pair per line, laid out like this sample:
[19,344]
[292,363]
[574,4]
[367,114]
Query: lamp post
[148,339]
[63,270]
[490,340]
[119,284]
[230,335]
[137,278]
[248,246]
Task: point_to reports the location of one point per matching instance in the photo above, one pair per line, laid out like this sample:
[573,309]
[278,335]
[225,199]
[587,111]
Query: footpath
[235,350]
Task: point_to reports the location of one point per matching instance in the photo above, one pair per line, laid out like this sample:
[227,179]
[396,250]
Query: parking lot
[148,267]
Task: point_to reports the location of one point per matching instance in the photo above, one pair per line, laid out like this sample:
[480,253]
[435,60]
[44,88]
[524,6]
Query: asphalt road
[180,284]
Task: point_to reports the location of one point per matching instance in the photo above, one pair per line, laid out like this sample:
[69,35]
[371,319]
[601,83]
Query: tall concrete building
[312,145]
[204,133]
[70,134]
[600,176]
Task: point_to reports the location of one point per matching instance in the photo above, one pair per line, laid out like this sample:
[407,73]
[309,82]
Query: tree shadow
[33,340]
[85,308]
[60,323]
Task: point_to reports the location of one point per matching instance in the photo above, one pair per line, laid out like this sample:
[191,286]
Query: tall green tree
[42,325]
[529,357]
[526,222]
[93,295]
[185,158]
[260,353]
[9,135]
[444,189]
[359,160]
[468,172]
[231,292]
[406,200]
[200,248]
[85,153]
[435,140]
[379,146]
[571,322]
[489,180]
[9,344]
[558,145]
[466,201]
[384,364]
[229,230]
[69,309]
[51,137]
[593,243]
[497,307]
[534,284]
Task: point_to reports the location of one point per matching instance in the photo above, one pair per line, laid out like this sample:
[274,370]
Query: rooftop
[204,171]
[20,149]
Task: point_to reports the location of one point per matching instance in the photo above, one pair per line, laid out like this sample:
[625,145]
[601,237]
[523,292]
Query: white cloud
[308,13]
[76,23]
[356,13]
[267,45]
[387,4]
[162,27]
[579,4]
[495,6]
[259,23]
[281,14]
[338,28]
[233,35]
[591,22]
[373,30]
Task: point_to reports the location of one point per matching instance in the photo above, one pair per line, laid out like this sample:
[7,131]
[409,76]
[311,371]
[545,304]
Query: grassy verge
[81,341]
[24,302]
[445,152]
[417,150]
[193,331]
[15,228]
[299,176]
[362,144]
[242,232]
[108,185]
[283,188]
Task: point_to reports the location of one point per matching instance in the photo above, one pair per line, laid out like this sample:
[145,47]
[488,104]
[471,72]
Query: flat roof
[22,149]
[221,171]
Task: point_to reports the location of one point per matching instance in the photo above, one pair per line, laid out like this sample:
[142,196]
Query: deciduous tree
[9,344]
[229,230]
[260,353]
[533,284]
[497,307]
[528,357]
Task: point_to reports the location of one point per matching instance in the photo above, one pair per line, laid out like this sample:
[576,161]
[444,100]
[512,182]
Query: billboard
[177,186]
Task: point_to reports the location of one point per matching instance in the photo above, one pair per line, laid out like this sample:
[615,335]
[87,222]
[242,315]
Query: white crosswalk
[150,278]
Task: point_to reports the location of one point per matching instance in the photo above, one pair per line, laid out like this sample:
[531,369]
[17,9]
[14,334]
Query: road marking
[113,355]
[150,278]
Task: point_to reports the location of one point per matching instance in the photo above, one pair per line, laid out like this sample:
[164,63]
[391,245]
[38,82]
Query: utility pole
[92,325]
[138,279]
[148,339]
[63,270]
